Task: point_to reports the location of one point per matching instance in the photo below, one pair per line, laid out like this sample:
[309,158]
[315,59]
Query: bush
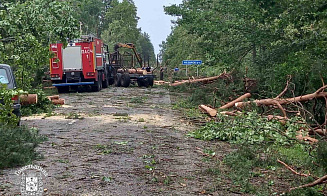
[7,118]
[18,146]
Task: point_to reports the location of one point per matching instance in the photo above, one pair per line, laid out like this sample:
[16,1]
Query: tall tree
[26,29]
[272,38]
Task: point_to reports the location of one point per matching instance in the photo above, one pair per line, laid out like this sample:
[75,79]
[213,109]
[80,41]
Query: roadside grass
[18,146]
[139,99]
[116,147]
[73,115]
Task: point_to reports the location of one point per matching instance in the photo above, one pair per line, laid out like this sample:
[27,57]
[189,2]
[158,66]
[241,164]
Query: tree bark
[232,103]
[58,101]
[177,83]
[308,97]
[28,99]
[212,112]
[53,97]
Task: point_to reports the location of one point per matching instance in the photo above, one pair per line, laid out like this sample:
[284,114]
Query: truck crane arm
[130,46]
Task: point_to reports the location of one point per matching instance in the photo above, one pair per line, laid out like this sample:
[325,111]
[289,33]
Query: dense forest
[265,40]
[28,27]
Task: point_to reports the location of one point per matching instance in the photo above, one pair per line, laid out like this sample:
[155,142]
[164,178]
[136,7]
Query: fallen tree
[204,80]
[232,103]
[276,101]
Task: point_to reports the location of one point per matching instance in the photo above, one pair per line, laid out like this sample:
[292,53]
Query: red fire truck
[84,61]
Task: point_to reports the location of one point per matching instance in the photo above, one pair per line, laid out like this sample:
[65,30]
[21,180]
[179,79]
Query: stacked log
[56,100]
[134,71]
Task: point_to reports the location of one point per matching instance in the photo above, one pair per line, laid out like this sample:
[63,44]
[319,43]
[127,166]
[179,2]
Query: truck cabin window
[3,76]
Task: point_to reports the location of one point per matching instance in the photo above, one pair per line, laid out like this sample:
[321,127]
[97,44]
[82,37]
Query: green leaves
[7,118]
[248,129]
[28,28]
[264,36]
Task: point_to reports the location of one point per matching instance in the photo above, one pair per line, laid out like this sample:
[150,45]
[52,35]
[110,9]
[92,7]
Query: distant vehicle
[124,70]
[82,62]
[7,77]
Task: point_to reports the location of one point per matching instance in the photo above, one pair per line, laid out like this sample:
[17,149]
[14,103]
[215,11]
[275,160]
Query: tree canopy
[27,27]
[272,39]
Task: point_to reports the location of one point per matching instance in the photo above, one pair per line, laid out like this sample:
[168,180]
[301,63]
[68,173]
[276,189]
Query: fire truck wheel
[118,80]
[63,89]
[125,80]
[96,87]
[105,84]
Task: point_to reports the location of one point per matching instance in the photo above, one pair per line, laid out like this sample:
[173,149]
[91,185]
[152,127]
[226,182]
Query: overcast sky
[153,19]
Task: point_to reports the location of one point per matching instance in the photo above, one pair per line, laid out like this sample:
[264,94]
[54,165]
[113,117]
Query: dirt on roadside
[120,141]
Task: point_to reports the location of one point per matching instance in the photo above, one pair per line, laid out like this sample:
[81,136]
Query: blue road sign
[192,62]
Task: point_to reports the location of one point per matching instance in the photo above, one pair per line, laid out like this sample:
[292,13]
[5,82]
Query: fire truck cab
[83,61]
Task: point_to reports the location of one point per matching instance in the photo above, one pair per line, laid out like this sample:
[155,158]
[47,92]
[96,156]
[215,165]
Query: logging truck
[124,68]
[83,61]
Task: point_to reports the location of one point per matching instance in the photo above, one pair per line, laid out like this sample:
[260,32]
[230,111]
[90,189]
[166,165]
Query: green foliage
[7,118]
[251,164]
[121,27]
[17,146]
[272,39]
[321,155]
[26,30]
[248,128]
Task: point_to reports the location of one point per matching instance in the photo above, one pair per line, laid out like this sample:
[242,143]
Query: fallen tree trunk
[276,101]
[177,83]
[212,112]
[28,99]
[232,103]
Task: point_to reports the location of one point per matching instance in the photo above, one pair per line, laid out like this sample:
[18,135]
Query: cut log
[212,112]
[177,83]
[53,97]
[266,102]
[232,103]
[28,99]
[133,71]
[58,101]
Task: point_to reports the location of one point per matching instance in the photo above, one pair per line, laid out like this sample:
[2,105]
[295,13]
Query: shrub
[18,146]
